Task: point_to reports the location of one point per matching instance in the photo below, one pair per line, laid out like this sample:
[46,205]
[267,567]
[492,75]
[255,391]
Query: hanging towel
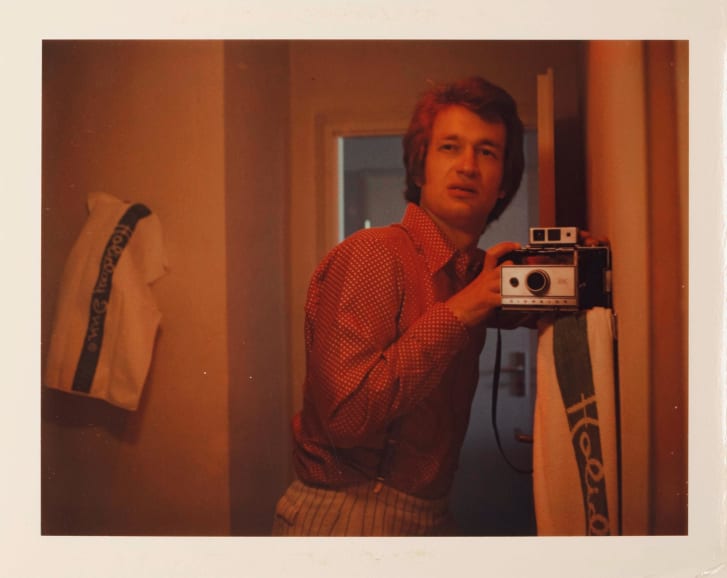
[575,453]
[106,316]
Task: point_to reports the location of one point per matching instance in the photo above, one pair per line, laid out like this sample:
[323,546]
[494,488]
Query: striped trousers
[359,510]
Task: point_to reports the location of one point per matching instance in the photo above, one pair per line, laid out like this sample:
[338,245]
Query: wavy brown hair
[488,101]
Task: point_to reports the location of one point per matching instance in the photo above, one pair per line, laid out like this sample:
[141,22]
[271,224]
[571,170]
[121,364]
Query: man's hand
[480,299]
[589,240]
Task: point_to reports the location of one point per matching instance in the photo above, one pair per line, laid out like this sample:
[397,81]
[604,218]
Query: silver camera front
[539,286]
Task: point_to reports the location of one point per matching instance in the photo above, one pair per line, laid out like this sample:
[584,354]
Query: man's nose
[467,161]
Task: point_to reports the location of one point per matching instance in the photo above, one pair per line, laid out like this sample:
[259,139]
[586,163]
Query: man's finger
[493,254]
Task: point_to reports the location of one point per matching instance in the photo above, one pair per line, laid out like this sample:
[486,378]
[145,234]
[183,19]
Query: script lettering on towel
[93,334]
[101,295]
[575,379]
[583,422]
[113,251]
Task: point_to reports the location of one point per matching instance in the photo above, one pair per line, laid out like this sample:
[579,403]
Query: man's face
[463,171]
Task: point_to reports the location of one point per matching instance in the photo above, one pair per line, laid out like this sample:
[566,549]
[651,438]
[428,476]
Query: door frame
[333,128]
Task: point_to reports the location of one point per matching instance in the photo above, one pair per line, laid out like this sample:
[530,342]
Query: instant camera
[555,273]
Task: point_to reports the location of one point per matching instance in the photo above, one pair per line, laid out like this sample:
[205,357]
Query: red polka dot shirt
[391,372]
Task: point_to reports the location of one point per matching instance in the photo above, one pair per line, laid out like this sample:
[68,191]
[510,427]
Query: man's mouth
[461,188]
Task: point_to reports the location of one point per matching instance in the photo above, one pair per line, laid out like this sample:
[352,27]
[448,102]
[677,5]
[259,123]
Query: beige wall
[143,122]
[636,192]
[256,153]
[160,123]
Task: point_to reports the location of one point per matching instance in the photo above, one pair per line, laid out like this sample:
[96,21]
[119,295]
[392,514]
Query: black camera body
[555,273]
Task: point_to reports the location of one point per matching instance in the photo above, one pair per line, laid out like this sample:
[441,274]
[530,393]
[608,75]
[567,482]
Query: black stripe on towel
[88,361]
[575,378]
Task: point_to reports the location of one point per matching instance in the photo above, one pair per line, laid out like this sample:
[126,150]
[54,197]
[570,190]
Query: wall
[199,132]
[256,153]
[143,121]
[637,198]
[669,283]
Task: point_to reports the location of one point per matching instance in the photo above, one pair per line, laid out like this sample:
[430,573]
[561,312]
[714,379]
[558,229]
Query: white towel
[575,459]
[106,316]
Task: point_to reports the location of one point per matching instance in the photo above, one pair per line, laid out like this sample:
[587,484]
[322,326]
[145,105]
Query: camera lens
[537,282]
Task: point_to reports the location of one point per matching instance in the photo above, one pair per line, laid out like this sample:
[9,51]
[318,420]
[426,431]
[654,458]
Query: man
[395,321]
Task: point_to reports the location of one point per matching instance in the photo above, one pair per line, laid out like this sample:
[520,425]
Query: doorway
[489,498]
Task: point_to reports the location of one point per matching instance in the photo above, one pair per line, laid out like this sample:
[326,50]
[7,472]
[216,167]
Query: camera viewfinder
[553,234]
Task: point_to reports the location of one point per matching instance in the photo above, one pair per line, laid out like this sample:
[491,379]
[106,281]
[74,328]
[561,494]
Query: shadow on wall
[69,506]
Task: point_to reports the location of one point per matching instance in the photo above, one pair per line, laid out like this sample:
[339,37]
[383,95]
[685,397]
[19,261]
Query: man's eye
[487,153]
[448,147]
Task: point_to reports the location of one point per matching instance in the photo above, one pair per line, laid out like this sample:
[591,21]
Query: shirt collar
[437,249]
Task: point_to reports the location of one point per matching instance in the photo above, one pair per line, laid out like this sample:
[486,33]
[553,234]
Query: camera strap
[495,388]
